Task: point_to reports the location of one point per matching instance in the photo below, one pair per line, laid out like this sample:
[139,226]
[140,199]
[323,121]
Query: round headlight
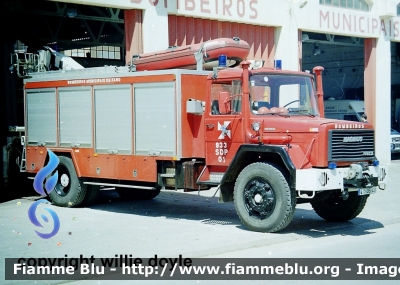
[256,126]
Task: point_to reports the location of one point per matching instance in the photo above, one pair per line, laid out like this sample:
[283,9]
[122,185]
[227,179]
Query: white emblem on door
[224,130]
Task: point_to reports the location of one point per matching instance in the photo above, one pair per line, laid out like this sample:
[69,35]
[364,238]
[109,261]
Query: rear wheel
[137,194]
[69,190]
[335,209]
[263,199]
[92,192]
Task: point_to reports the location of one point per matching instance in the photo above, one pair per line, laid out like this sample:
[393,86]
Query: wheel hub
[259,199]
[64,180]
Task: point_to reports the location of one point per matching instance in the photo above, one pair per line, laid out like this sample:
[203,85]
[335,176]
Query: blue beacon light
[222,60]
[332,165]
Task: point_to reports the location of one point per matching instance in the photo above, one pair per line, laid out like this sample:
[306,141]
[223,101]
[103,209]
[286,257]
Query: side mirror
[224,102]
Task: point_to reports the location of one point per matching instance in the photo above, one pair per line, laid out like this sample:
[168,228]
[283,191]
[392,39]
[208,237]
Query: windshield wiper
[286,115]
[303,112]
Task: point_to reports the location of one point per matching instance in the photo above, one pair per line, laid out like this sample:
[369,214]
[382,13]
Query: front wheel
[263,199]
[69,190]
[335,209]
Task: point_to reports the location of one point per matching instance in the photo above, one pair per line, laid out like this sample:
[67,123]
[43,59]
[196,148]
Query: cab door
[224,128]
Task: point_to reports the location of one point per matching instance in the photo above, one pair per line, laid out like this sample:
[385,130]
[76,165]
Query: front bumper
[316,179]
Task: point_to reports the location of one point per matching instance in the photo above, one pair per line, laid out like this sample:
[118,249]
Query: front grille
[351,145]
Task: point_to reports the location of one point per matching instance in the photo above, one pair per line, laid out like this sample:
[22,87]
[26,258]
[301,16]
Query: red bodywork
[215,140]
[120,166]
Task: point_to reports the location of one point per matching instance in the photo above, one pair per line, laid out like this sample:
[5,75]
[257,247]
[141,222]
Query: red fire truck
[258,134]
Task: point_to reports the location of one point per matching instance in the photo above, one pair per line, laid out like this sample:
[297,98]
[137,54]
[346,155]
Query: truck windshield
[283,95]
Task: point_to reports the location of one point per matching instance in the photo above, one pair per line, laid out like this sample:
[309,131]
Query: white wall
[155,30]
[286,38]
[311,17]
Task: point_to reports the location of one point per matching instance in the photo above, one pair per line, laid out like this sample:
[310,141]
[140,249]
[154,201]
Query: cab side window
[226,98]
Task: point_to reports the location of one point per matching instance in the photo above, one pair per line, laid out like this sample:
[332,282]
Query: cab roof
[237,72]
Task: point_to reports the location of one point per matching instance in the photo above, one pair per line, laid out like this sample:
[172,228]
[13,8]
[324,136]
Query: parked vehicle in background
[395,141]
[349,110]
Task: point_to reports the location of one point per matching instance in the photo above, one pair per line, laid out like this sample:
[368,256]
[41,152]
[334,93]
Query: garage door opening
[343,61]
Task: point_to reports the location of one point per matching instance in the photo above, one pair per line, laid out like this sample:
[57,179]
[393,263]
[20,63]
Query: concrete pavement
[174,223]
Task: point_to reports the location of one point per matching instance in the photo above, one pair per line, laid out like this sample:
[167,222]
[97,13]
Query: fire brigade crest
[224,130]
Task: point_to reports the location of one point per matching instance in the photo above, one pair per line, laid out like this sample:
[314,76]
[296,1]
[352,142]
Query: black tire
[137,194]
[69,190]
[335,209]
[92,192]
[263,199]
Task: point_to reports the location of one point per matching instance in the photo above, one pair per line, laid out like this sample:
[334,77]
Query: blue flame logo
[44,172]
[49,185]
[35,221]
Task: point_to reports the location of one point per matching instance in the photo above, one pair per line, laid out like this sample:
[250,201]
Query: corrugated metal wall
[186,31]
